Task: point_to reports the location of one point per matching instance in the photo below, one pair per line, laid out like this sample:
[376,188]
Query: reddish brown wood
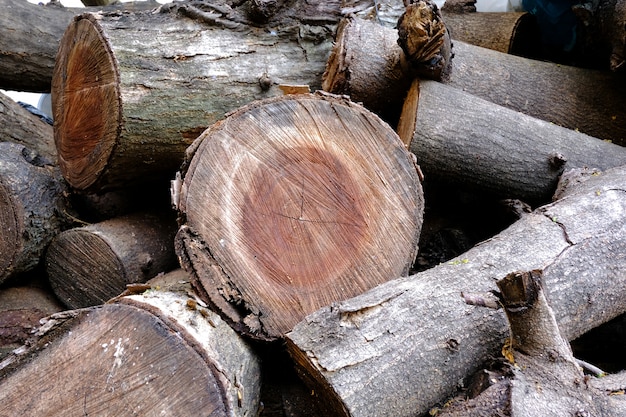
[293,203]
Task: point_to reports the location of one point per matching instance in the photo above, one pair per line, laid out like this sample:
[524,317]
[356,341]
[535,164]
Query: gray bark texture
[406,345]
[18,125]
[33,208]
[30,35]
[461,139]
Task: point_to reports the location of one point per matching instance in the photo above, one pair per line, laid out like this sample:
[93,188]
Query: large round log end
[86,102]
[293,203]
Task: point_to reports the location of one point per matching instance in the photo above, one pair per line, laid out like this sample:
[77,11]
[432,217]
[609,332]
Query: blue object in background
[556,21]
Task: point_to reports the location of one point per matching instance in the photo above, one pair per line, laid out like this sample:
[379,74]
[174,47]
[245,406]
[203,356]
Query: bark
[545,378]
[18,125]
[33,208]
[120,121]
[293,203]
[425,40]
[30,39]
[461,139]
[579,99]
[511,33]
[89,265]
[403,347]
[122,358]
[21,309]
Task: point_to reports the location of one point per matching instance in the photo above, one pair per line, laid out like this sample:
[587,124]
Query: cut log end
[301,201]
[86,102]
[65,258]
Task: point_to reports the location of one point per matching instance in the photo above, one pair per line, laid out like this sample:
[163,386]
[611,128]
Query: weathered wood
[402,347]
[33,208]
[144,121]
[18,125]
[21,308]
[29,39]
[589,101]
[156,353]
[293,203]
[425,39]
[460,138]
[541,377]
[120,121]
[507,32]
[89,265]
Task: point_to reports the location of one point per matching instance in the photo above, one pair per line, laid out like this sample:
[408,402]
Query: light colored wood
[459,138]
[404,346]
[293,203]
[156,353]
[589,101]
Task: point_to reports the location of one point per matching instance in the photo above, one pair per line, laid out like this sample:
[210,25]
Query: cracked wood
[415,338]
[293,203]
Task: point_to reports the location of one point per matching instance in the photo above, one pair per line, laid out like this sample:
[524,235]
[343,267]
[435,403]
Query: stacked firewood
[252,209]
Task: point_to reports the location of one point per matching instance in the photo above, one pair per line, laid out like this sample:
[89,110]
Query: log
[89,265]
[541,375]
[404,346]
[461,139]
[18,125]
[28,54]
[507,32]
[579,99]
[127,123]
[33,208]
[21,309]
[287,205]
[156,353]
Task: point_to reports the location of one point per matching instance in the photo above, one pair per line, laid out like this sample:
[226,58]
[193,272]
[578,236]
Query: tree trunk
[541,376]
[33,208]
[89,265]
[579,99]
[461,139]
[29,39]
[589,101]
[120,120]
[509,33]
[404,346]
[294,203]
[18,125]
[156,353]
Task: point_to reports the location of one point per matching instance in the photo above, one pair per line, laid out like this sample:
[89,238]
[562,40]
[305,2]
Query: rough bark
[542,376]
[579,99]
[21,308]
[29,40]
[425,40]
[459,138]
[89,265]
[120,120]
[18,125]
[33,208]
[403,347]
[293,203]
[156,353]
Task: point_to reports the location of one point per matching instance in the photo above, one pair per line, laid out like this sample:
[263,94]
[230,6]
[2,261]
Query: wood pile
[269,208]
